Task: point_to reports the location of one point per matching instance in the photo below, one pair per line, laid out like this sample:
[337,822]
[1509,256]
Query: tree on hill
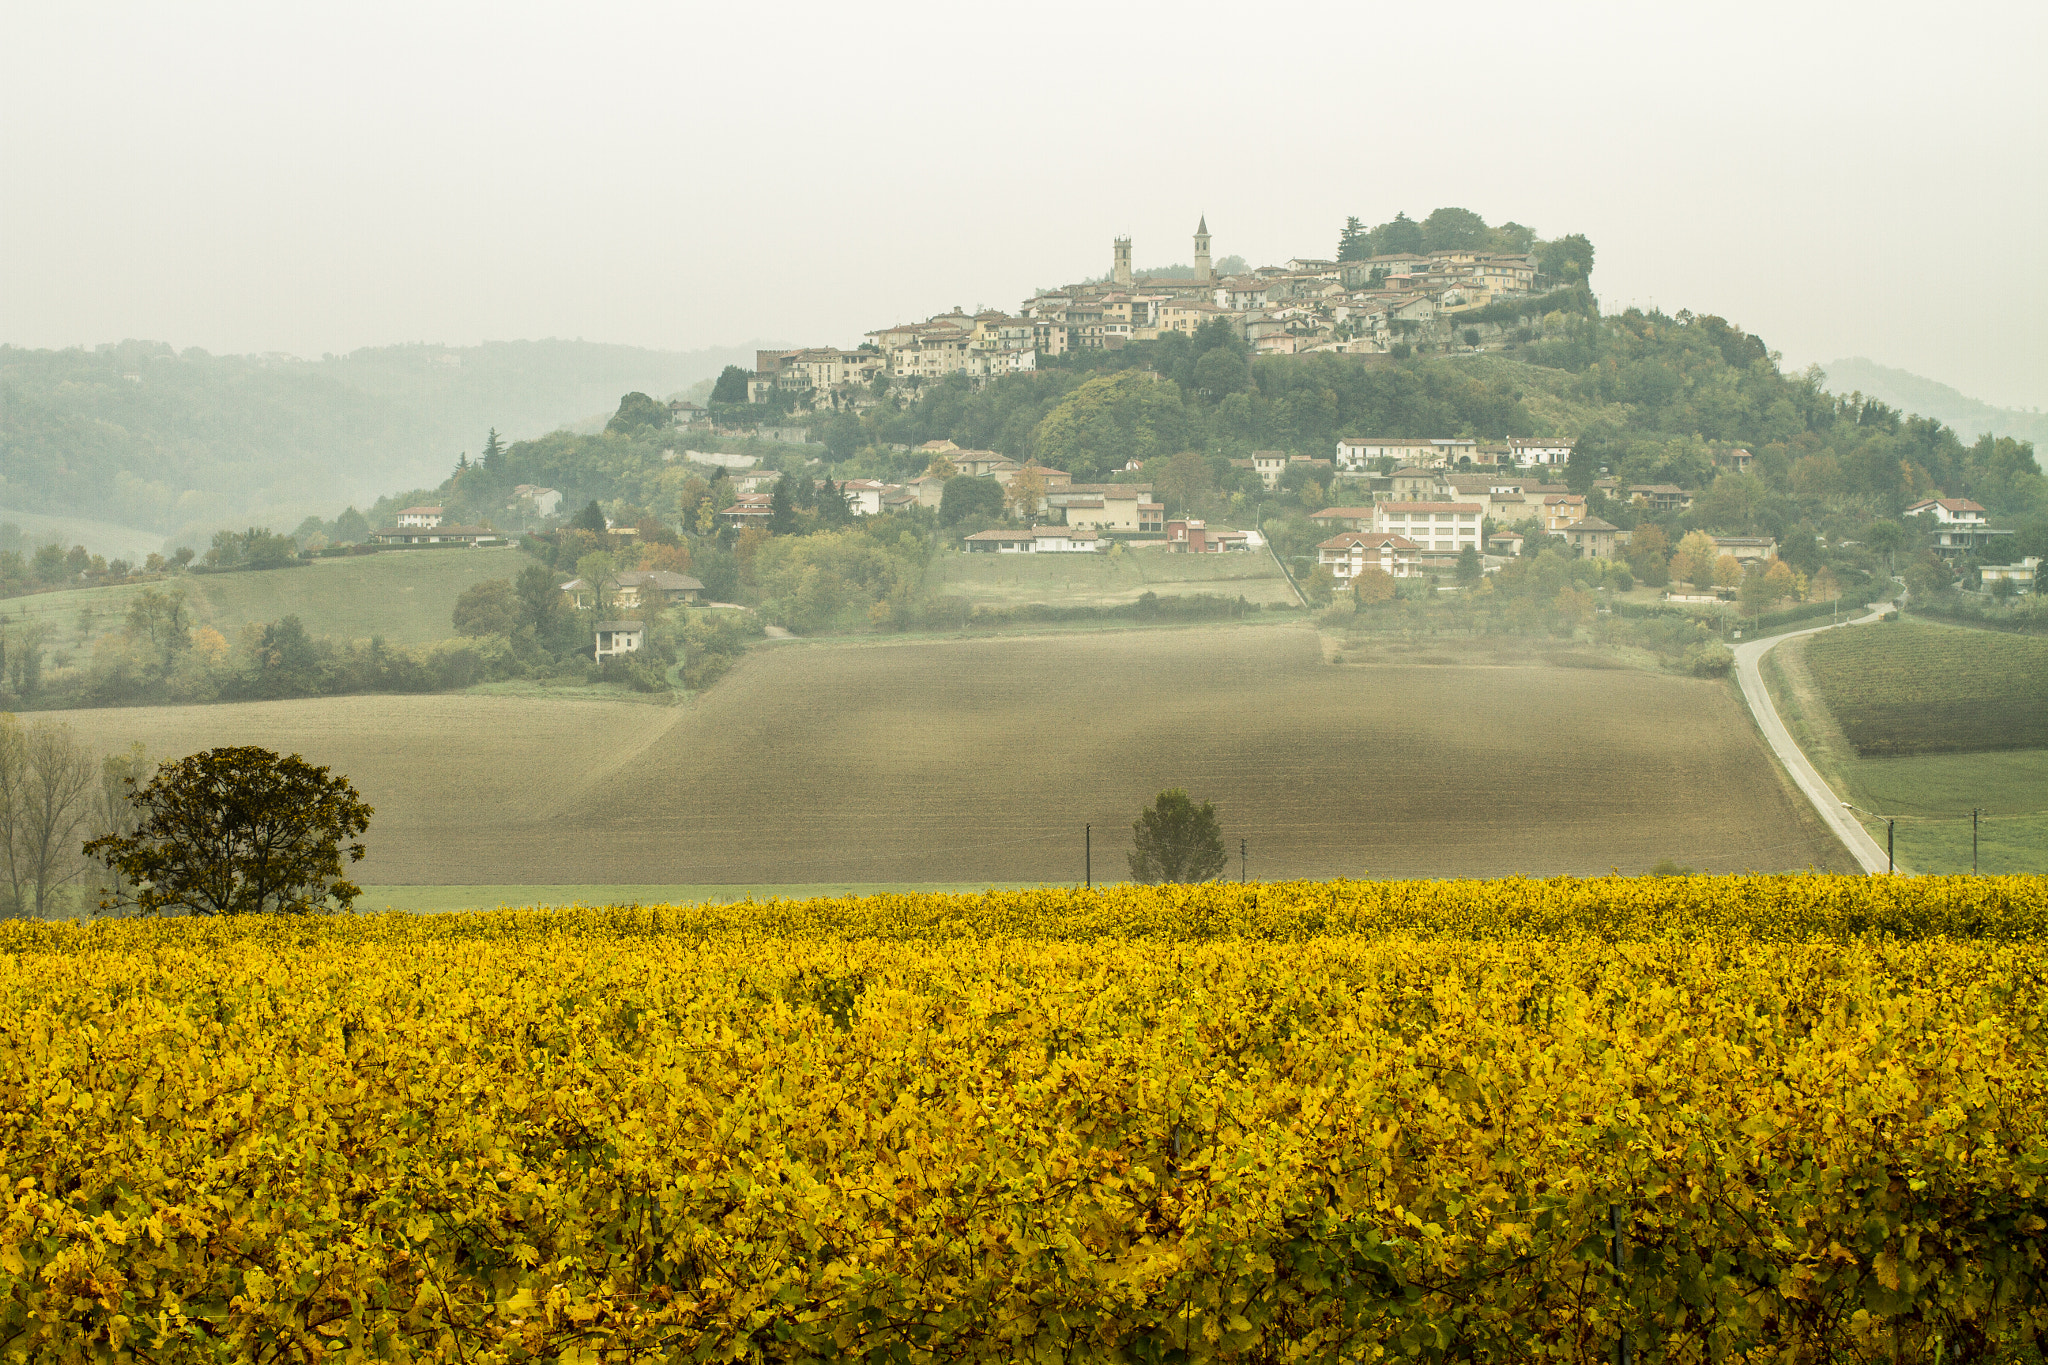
[1470,570]
[539,599]
[237,831]
[731,386]
[1109,420]
[1568,259]
[487,608]
[1354,243]
[494,452]
[1450,229]
[637,415]
[1402,236]
[1174,840]
[1649,554]
[1694,559]
[590,519]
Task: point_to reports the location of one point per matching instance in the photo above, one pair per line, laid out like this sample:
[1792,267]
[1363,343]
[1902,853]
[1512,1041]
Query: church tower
[1202,269]
[1120,274]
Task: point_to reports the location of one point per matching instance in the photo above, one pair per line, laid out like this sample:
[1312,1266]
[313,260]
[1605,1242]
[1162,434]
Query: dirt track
[982,760]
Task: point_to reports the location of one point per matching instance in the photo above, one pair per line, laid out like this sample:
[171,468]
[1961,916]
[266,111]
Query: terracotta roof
[1591,524]
[1370,540]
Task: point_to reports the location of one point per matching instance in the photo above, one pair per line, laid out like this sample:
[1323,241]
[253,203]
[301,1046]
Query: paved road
[1866,850]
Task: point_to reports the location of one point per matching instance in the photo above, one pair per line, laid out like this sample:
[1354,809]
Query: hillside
[177,444]
[1910,392]
[966,783]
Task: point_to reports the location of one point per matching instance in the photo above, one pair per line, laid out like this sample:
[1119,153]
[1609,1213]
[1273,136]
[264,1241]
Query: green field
[1909,688]
[1929,796]
[406,596]
[1104,580]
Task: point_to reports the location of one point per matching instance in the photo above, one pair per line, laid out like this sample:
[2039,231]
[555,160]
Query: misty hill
[177,443]
[1969,416]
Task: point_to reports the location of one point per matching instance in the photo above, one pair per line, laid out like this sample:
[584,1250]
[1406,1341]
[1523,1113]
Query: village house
[1540,450]
[1504,543]
[420,516]
[544,501]
[615,638]
[1196,537]
[1418,483]
[752,509]
[1561,510]
[1125,507]
[1659,497]
[1032,540]
[1343,518]
[2024,576]
[1593,538]
[1347,554]
[864,496]
[688,415]
[1961,527]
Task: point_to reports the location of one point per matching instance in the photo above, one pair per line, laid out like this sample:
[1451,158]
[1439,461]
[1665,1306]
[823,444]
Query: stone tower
[1202,269]
[1121,273]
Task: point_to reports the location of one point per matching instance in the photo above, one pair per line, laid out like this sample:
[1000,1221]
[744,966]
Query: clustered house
[636,588]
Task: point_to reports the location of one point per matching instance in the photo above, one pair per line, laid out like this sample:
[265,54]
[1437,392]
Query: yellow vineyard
[1718,1118]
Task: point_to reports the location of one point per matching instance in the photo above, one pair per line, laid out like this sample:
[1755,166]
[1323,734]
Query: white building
[1540,449]
[1439,529]
[420,516]
[619,637]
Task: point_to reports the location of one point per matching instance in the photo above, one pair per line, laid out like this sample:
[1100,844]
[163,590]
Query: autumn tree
[238,831]
[1727,571]
[1184,479]
[1176,841]
[1371,586]
[1649,555]
[1026,493]
[1694,559]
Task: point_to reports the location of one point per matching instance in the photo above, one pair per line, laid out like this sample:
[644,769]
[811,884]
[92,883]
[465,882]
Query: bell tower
[1120,273]
[1203,272]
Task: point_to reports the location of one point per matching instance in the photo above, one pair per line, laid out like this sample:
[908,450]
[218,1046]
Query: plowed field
[982,760]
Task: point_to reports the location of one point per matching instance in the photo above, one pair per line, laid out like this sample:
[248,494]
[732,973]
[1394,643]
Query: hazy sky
[1840,179]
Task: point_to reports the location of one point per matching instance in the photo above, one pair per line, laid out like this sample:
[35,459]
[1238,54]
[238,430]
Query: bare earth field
[1107,580]
[981,760]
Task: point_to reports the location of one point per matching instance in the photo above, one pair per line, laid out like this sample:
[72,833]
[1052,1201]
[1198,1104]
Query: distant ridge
[1970,417]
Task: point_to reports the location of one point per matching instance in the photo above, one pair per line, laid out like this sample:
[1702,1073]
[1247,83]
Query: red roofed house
[1345,555]
[1196,537]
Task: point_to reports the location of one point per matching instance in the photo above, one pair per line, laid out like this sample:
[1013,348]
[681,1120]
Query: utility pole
[1973,841]
[1088,854]
[1890,867]
[1243,861]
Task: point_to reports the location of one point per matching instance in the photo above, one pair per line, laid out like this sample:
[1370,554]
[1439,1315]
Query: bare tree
[46,784]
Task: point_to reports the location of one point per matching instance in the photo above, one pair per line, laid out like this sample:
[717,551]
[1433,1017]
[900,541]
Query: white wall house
[1437,528]
[1347,554]
[420,516]
[619,637]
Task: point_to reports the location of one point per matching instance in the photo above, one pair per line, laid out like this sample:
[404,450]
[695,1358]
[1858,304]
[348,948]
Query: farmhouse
[637,587]
[1343,518]
[1346,555]
[1505,542]
[753,509]
[420,516]
[1199,538]
[436,534]
[1747,548]
[1659,497]
[619,637]
[1540,449]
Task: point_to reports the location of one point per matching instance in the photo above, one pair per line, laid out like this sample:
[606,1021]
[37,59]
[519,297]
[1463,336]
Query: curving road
[1748,655]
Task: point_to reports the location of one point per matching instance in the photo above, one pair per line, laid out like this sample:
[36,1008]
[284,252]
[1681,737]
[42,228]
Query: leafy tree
[1450,229]
[1401,237]
[2002,589]
[238,831]
[1110,420]
[49,563]
[1927,577]
[637,415]
[731,386]
[1026,490]
[1221,371]
[1185,479]
[1176,841]
[1727,571]
[1470,570]
[1567,259]
[1825,587]
[966,495]
[600,573]
[591,518]
[1649,554]
[538,597]
[488,608]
